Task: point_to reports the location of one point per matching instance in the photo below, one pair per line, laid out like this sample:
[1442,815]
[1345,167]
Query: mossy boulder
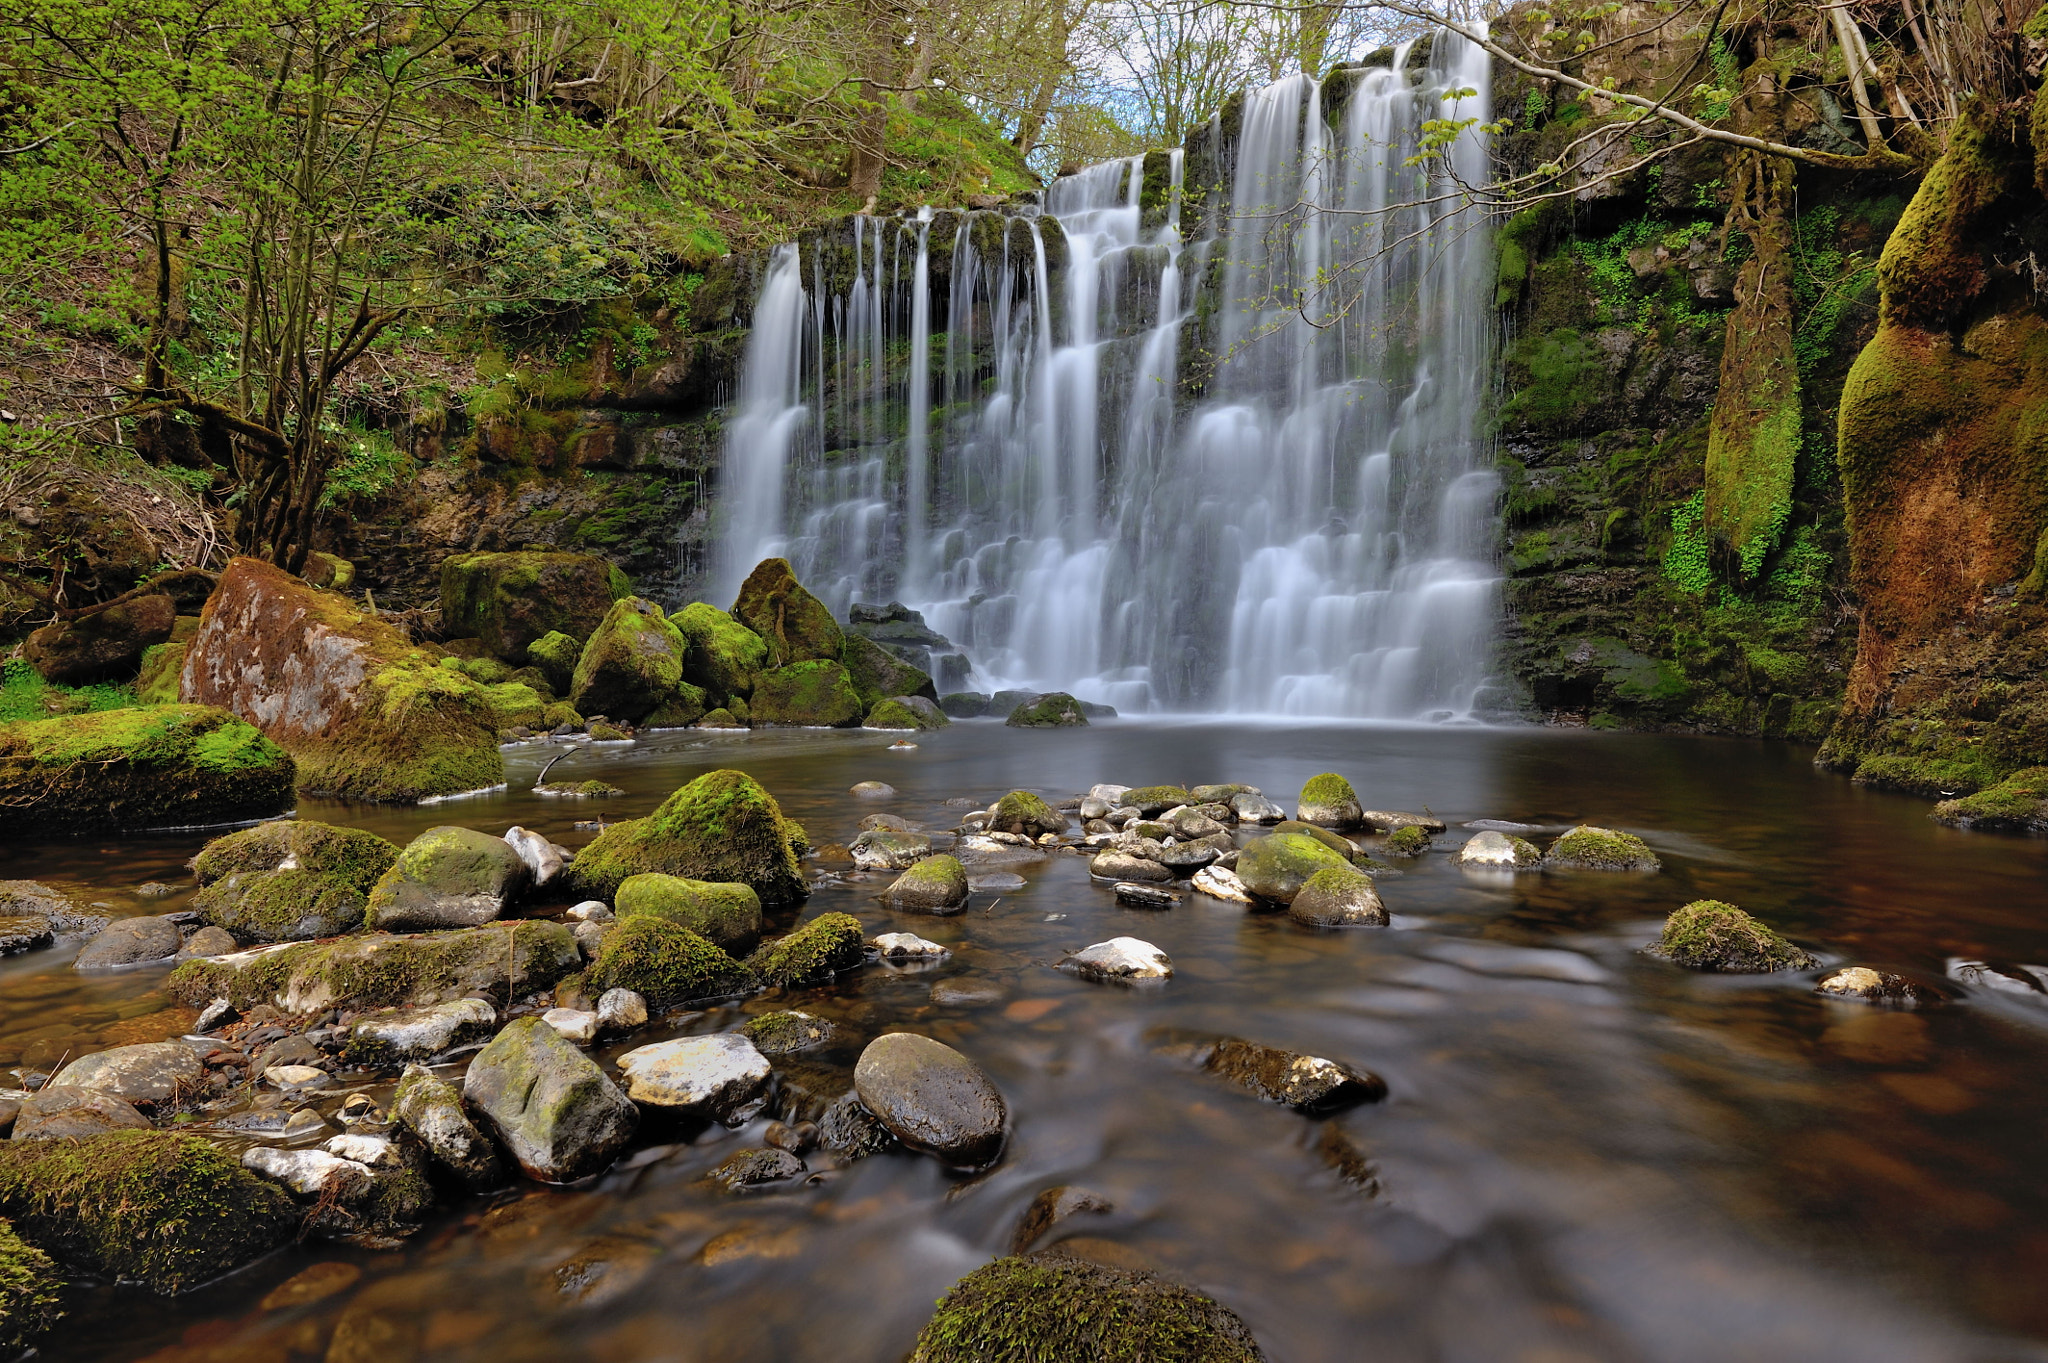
[514,704]
[632,664]
[162,666]
[816,694]
[508,600]
[555,654]
[727,915]
[794,625]
[816,952]
[1335,842]
[1152,801]
[107,643]
[166,1210]
[1338,897]
[1055,1309]
[878,674]
[785,1033]
[246,887]
[2018,804]
[431,1108]
[683,707]
[447,877]
[157,766]
[665,963]
[722,827]
[1278,865]
[1329,802]
[1710,935]
[1407,841]
[29,1284]
[365,713]
[1053,710]
[330,571]
[548,1103]
[935,885]
[1023,812]
[1587,848]
[912,713]
[725,656]
[377,970]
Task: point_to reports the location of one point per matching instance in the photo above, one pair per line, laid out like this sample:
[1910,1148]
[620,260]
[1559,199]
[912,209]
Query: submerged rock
[153,766]
[726,914]
[1710,935]
[1329,802]
[932,1099]
[1053,710]
[1052,1307]
[447,877]
[1497,849]
[1125,960]
[1276,866]
[1306,1083]
[935,885]
[131,941]
[33,899]
[1338,897]
[815,953]
[289,880]
[431,1108]
[1050,1208]
[722,827]
[850,1131]
[1587,848]
[548,1103]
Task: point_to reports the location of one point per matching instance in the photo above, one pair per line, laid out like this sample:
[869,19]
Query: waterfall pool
[1585,1154]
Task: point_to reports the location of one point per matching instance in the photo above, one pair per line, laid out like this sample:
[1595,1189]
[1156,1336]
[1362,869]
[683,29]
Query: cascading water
[1241,472]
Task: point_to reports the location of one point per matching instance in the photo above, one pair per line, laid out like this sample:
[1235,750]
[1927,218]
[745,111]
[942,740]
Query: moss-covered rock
[784,1033]
[380,970]
[725,656]
[1587,848]
[245,888]
[166,1210]
[632,664]
[1338,897]
[1053,710]
[447,877]
[2018,804]
[28,1291]
[150,767]
[548,1103]
[825,947]
[1408,841]
[556,654]
[162,665]
[1152,801]
[722,827]
[509,600]
[665,963]
[878,674]
[720,718]
[727,915]
[684,706]
[365,713]
[934,885]
[816,694]
[514,704]
[1275,867]
[1054,1309]
[1023,812]
[794,625]
[1710,935]
[906,713]
[1329,802]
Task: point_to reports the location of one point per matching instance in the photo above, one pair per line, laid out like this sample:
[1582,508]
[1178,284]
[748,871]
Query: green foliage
[1686,561]
[1716,99]
[370,464]
[25,695]
[1826,282]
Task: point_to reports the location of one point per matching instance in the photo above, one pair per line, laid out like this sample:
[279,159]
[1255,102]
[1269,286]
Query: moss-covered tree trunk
[1753,439]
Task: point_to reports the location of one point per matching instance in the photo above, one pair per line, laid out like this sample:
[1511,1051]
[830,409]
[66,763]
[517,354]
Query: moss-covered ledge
[157,766]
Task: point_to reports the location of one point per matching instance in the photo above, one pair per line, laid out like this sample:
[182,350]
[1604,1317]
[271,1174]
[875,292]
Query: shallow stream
[1585,1155]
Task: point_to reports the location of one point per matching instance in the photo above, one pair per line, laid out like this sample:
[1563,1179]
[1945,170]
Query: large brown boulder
[510,600]
[107,643]
[795,625]
[367,714]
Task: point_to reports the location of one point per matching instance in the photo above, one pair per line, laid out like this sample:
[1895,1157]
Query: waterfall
[1241,471]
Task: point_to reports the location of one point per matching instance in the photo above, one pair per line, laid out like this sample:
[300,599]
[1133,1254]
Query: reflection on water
[1586,1154]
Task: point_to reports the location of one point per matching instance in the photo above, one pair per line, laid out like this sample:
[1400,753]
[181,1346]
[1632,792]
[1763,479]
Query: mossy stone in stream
[154,766]
[785,1033]
[726,914]
[515,703]
[28,1290]
[1710,935]
[167,1210]
[1152,801]
[665,963]
[1337,843]
[725,656]
[822,948]
[682,707]
[632,664]
[935,885]
[1587,848]
[816,694]
[794,625]
[1022,812]
[1275,867]
[1053,710]
[878,674]
[2018,804]
[555,654]
[1409,841]
[1329,802]
[246,889]
[906,712]
[1054,1309]
[722,827]
[375,970]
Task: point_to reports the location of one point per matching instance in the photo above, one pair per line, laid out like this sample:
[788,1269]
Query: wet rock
[154,1074]
[207,942]
[965,704]
[1069,1308]
[1186,858]
[431,1108]
[904,712]
[1871,986]
[543,859]
[1329,802]
[794,624]
[1135,896]
[665,963]
[1122,959]
[131,941]
[590,938]
[786,1033]
[996,882]
[447,877]
[1092,809]
[850,1131]
[106,643]
[24,934]
[718,1078]
[1222,883]
[883,849]
[353,1201]
[1338,897]
[1025,813]
[1502,850]
[795,1139]
[722,828]
[725,656]
[1256,809]
[572,1024]
[60,1112]
[295,1080]
[1052,710]
[632,666]
[33,899]
[1393,821]
[394,1036]
[1587,848]
[620,1010]
[1409,840]
[380,970]
[548,1103]
[1152,801]
[894,823]
[589,911]
[1306,1083]
[1050,1208]
[872,790]
[752,1168]
[215,1016]
[932,1098]
[1350,1160]
[906,946]
[1192,821]
[1712,936]
[1122,866]
[1275,867]
[936,885]
[815,953]
[728,915]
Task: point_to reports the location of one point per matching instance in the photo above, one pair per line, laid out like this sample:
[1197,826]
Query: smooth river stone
[1115,866]
[718,1077]
[548,1103]
[131,941]
[156,1072]
[932,1098]
[1125,959]
[1497,849]
[60,1112]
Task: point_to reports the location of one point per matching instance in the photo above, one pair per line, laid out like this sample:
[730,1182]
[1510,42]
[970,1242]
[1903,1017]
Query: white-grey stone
[1222,883]
[590,936]
[298,1078]
[572,1024]
[305,1172]
[372,1152]
[219,1013]
[721,1077]
[154,1072]
[401,1034]
[543,859]
[886,849]
[907,946]
[1108,794]
[1120,958]
[1493,848]
[1256,809]
[431,1108]
[589,911]
[1094,807]
[621,1010]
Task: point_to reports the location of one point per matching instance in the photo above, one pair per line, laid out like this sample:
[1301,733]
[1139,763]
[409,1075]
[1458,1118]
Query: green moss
[2019,803]
[1053,710]
[1151,800]
[28,1291]
[514,703]
[1276,866]
[1023,812]
[665,963]
[893,714]
[153,766]
[1059,1310]
[813,954]
[795,626]
[787,1032]
[722,827]
[1934,262]
[632,664]
[1601,849]
[725,656]
[1329,791]
[815,694]
[243,891]
[1962,770]
[878,674]
[1407,842]
[555,654]
[1710,935]
[25,695]
[162,666]
[166,1210]
[679,710]
[511,600]
[729,915]
[419,730]
[378,970]
[1564,379]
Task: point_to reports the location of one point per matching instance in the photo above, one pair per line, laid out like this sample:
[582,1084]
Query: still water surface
[1586,1154]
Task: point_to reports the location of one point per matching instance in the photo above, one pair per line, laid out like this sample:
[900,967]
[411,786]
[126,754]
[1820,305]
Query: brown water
[1586,1155]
